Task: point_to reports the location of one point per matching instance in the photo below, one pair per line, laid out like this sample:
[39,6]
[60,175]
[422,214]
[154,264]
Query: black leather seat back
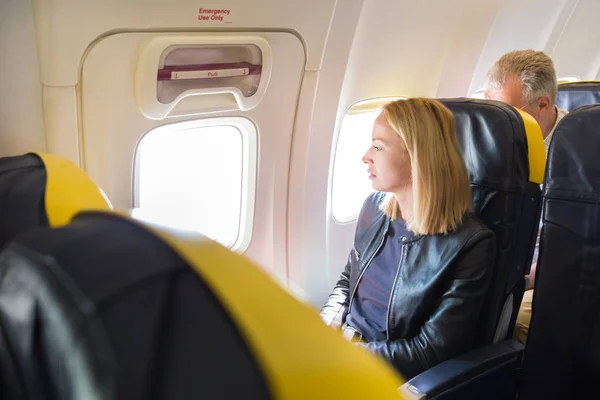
[576,94]
[494,142]
[22,189]
[118,311]
[40,189]
[562,356]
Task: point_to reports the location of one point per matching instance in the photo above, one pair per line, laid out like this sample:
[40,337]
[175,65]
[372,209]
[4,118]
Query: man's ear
[486,94]
[544,103]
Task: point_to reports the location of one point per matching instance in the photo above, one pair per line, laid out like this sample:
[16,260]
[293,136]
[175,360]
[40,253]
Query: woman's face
[387,159]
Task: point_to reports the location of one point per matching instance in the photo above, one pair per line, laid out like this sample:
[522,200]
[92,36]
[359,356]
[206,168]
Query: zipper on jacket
[387,316]
[363,272]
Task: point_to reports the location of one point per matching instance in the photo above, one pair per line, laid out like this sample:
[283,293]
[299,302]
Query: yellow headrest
[536,149]
[69,190]
[300,357]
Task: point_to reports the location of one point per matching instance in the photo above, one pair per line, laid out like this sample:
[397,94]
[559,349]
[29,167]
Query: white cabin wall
[67,29]
[399,48]
[577,51]
[469,39]
[21,118]
[308,246]
[530,24]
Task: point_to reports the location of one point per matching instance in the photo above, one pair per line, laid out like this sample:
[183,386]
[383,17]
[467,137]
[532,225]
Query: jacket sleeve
[333,313]
[336,306]
[449,331]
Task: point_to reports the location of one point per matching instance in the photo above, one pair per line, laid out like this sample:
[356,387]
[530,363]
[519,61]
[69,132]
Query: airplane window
[193,178]
[350,183]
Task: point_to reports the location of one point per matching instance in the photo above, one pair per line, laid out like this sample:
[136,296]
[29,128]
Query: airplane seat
[110,308]
[562,353]
[39,189]
[572,95]
[504,154]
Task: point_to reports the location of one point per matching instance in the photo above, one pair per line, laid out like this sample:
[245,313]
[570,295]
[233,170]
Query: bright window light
[195,177]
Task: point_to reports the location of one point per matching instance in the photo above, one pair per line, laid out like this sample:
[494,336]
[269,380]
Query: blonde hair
[533,68]
[440,183]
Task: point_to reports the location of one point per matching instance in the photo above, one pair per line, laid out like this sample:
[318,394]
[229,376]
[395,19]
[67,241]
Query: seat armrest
[453,374]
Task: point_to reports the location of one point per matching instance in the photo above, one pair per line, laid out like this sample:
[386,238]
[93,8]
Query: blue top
[368,313]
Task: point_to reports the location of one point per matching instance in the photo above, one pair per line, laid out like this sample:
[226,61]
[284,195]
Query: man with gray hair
[526,80]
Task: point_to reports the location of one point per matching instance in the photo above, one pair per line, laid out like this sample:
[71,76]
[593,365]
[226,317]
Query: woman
[420,266]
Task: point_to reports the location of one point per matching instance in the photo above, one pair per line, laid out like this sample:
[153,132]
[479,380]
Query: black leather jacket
[437,294]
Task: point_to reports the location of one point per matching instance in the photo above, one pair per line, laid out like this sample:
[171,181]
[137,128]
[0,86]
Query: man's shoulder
[560,114]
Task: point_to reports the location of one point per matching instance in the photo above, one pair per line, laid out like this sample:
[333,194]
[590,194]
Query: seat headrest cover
[301,358]
[501,148]
[69,190]
[573,169]
[573,95]
[536,151]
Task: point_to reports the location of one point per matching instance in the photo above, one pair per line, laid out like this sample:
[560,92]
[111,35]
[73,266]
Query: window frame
[358,107]
[249,135]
